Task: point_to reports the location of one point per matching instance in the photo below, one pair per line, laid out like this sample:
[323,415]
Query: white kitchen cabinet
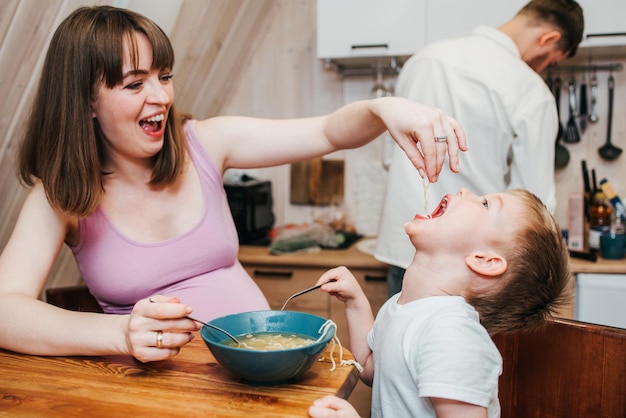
[605,23]
[445,19]
[358,30]
[369,28]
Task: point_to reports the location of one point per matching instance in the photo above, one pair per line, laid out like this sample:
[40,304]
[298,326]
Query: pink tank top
[200,266]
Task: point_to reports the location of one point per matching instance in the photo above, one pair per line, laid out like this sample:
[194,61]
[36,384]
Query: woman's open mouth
[439,210]
[153,123]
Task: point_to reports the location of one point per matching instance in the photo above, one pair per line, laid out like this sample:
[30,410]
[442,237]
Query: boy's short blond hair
[535,283]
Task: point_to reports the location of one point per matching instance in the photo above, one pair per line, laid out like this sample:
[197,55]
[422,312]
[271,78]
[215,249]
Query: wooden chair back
[74,298]
[569,369]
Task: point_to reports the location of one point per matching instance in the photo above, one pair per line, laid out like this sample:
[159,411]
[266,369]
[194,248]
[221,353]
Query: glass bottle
[599,218]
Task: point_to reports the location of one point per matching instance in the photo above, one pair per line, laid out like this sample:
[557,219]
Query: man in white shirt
[489,81]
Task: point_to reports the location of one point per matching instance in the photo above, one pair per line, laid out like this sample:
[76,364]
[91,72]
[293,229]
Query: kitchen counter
[353,258]
[350,257]
[602,266]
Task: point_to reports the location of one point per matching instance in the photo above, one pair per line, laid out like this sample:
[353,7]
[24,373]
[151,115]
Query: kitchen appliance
[250,202]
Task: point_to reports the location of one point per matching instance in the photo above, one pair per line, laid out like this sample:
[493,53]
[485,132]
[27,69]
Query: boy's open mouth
[439,210]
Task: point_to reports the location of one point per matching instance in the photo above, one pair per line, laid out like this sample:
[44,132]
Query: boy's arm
[358,314]
[448,408]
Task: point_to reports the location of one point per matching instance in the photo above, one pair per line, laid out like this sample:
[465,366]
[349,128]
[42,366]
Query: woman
[136,192]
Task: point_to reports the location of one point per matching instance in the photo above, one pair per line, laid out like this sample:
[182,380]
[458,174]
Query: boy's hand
[332,407]
[342,284]
[358,315]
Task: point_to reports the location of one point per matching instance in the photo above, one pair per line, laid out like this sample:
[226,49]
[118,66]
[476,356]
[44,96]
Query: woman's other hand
[158,328]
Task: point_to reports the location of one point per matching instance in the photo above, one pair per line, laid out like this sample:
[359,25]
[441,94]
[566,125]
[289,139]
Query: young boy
[482,265]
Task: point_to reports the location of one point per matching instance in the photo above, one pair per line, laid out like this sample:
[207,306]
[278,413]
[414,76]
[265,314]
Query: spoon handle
[223,331]
[305,291]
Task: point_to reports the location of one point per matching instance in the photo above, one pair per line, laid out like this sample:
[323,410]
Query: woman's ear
[492,264]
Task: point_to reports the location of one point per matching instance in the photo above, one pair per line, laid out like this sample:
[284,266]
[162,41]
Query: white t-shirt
[507,113]
[432,347]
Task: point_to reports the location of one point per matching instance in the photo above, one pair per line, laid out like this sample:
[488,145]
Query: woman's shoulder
[212,135]
[38,211]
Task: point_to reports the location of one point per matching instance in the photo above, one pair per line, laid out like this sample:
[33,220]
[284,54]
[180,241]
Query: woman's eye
[485,203]
[167,77]
[134,86]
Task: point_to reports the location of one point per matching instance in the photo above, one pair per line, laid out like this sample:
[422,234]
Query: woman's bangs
[162,50]
[121,32]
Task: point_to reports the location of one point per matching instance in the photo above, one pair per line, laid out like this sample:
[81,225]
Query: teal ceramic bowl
[272,366]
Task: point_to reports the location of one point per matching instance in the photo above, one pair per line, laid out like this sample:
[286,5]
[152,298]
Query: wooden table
[190,384]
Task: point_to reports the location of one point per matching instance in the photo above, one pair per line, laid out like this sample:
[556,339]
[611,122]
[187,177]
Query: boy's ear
[492,264]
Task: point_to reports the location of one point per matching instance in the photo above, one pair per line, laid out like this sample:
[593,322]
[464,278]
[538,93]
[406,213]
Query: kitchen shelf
[365,66]
[584,68]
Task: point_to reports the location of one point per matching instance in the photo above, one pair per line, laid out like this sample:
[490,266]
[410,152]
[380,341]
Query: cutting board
[317,182]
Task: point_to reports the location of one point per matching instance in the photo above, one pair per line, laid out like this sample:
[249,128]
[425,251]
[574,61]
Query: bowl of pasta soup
[275,346]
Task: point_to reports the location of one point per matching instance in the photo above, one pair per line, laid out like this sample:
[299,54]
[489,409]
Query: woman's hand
[157,328]
[424,133]
[332,407]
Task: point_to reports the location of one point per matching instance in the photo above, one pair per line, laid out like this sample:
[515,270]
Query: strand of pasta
[426,183]
[335,340]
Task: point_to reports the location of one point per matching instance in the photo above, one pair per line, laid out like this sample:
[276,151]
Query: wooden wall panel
[26,29]
[283,78]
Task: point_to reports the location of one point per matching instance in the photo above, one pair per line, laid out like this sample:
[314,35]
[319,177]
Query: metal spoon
[223,331]
[305,291]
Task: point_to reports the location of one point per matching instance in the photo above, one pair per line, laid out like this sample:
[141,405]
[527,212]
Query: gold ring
[159,341]
[442,138]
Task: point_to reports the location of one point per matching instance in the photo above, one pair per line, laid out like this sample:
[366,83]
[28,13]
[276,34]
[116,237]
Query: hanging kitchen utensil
[582,120]
[593,116]
[586,188]
[571,130]
[608,151]
[557,98]
[561,154]
[594,181]
[379,89]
